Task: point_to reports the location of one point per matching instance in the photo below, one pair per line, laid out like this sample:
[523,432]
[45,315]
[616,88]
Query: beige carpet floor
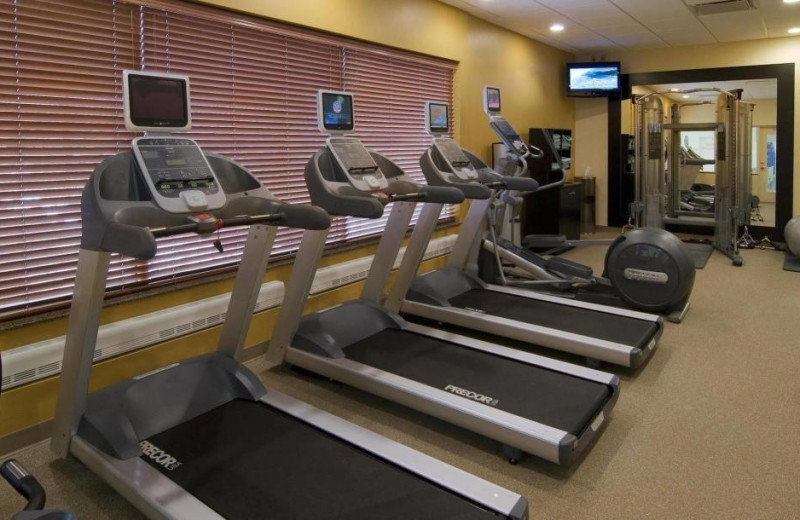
[708,429]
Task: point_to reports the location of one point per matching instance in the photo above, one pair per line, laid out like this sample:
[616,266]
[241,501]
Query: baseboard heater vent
[355,270]
[43,359]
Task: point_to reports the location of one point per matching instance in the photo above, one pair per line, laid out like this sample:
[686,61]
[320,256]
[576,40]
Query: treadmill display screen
[176,164]
[337,111]
[158,102]
[354,156]
[438,118]
[453,153]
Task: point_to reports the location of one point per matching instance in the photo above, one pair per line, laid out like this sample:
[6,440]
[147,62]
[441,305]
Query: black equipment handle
[25,484]
[407,197]
[211,225]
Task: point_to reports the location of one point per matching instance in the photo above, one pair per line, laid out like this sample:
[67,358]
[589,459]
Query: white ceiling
[753,89]
[593,25]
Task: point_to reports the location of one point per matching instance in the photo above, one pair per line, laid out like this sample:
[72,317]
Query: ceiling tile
[737,26]
[599,24]
[506,7]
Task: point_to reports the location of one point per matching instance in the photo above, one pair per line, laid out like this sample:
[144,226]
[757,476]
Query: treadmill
[203,438]
[458,297]
[528,403]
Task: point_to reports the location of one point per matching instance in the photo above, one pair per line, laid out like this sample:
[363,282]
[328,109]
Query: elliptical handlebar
[535,152]
[25,484]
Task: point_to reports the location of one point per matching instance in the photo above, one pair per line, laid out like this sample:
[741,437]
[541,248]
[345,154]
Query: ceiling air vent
[711,7]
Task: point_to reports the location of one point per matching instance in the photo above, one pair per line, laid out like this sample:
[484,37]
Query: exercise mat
[700,253]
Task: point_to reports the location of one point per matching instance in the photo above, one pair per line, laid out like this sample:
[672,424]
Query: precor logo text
[475,396]
[159,456]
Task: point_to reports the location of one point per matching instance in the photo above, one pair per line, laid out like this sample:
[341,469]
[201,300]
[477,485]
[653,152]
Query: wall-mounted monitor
[155,101]
[594,79]
[335,111]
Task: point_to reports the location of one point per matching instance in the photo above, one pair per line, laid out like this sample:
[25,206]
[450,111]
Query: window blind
[390,93]
[253,84]
[60,115]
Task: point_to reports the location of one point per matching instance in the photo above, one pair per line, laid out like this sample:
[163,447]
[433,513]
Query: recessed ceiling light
[794,30]
[675,89]
[686,96]
[557,27]
[790,1]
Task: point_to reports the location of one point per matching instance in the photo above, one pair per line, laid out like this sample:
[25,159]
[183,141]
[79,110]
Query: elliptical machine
[645,269]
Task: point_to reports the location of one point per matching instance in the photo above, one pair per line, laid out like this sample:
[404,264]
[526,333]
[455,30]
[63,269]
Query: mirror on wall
[690,182]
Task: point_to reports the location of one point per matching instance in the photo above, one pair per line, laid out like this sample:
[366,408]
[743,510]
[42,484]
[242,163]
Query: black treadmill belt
[610,327]
[250,461]
[552,398]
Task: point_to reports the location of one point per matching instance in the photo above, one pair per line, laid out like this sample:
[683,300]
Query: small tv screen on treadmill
[438,118]
[493,99]
[337,111]
[158,102]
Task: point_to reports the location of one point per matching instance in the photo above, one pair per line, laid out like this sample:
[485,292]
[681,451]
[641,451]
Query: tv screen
[438,119]
[337,111]
[593,79]
[157,102]
[492,99]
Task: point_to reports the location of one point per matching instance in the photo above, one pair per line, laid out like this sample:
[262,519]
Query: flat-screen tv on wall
[594,79]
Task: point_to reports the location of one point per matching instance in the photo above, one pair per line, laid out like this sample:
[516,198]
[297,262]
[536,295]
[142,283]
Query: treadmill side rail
[617,311]
[585,346]
[529,436]
[159,497]
[571,447]
[487,494]
[156,496]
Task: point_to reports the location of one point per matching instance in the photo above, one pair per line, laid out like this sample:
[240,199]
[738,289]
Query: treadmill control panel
[508,135]
[456,158]
[178,174]
[358,165]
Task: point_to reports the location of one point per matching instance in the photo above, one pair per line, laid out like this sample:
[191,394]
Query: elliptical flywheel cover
[651,269]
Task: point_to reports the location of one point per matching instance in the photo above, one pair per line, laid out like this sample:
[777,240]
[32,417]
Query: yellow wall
[626,117]
[753,52]
[765,113]
[529,74]
[591,150]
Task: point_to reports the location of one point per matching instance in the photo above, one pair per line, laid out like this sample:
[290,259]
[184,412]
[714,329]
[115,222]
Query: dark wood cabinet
[547,169]
[622,178]
[554,212]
